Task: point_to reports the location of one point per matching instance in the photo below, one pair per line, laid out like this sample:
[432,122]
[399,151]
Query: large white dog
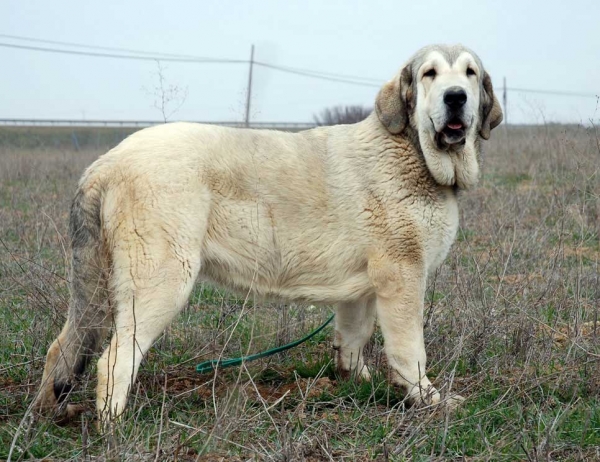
[356,215]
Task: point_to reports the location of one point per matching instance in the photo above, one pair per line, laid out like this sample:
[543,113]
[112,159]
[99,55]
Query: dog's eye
[470,71]
[429,73]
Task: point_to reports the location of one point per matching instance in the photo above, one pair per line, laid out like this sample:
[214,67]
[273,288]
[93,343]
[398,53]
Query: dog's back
[267,210]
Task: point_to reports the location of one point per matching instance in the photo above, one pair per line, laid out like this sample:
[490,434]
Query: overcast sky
[544,45]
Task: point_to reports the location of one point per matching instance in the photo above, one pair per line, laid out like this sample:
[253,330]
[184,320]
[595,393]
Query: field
[512,323]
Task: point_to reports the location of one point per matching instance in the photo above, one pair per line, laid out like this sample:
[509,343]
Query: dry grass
[511,323]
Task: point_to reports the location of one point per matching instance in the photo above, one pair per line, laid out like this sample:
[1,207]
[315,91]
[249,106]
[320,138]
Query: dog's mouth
[451,135]
[454,131]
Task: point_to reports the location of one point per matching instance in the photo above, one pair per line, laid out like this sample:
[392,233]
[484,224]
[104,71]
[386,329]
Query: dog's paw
[452,402]
[432,399]
[65,414]
[361,374]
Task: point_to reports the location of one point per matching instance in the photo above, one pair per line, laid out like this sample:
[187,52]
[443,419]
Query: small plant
[168,98]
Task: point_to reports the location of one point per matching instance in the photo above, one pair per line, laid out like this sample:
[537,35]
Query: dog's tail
[88,317]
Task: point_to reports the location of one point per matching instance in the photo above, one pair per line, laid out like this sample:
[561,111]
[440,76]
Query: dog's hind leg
[147,297]
[354,325]
[87,319]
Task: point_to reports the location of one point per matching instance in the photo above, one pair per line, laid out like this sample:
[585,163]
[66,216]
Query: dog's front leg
[400,291]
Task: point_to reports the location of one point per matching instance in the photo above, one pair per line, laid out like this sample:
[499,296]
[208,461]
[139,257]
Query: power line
[134,57]
[553,92]
[97,47]
[170,57]
[315,75]
[190,59]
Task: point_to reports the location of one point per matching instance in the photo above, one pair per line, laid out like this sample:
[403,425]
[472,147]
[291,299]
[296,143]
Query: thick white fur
[324,216]
[349,214]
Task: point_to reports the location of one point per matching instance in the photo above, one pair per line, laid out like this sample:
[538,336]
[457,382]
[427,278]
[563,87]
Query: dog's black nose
[455,97]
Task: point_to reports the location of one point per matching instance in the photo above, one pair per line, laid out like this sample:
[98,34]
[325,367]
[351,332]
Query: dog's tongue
[455,126]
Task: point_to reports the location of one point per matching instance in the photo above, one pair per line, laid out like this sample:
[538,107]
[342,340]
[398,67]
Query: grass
[512,323]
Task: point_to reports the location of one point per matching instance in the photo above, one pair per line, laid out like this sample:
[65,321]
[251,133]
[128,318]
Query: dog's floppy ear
[393,101]
[491,112]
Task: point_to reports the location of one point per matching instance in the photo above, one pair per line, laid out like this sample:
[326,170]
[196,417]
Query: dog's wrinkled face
[444,92]
[448,95]
[444,96]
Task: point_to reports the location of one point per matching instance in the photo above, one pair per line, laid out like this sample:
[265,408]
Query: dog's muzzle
[453,131]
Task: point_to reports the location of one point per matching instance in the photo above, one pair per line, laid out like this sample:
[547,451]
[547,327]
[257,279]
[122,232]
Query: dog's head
[443,92]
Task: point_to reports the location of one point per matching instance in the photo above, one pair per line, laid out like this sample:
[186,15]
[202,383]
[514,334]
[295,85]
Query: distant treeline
[72,138]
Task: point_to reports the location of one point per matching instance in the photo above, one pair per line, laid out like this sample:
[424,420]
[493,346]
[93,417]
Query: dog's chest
[440,223]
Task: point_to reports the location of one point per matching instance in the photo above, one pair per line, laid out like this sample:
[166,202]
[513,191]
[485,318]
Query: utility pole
[249,93]
[504,101]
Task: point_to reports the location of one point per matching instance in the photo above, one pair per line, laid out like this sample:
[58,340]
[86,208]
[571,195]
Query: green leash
[211,364]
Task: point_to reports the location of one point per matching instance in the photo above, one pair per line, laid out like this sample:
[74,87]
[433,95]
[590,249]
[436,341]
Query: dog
[352,215]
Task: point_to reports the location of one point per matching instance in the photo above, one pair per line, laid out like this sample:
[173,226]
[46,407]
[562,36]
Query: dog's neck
[455,166]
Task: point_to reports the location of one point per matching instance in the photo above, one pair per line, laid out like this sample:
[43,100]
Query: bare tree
[342,115]
[168,98]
